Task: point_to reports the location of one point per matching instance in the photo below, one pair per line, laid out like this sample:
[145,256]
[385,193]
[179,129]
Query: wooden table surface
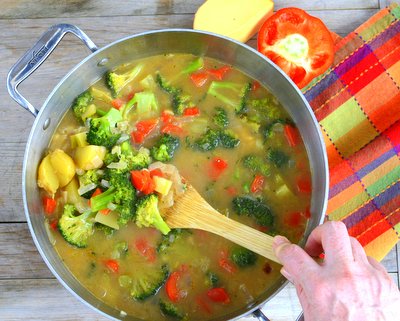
[28,290]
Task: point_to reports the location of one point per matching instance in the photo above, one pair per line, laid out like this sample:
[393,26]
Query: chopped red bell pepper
[172,129]
[171,286]
[304,184]
[199,78]
[292,135]
[143,129]
[255,86]
[219,295]
[156,172]
[145,249]
[232,190]
[167,116]
[225,263]
[219,73]
[217,167]
[191,111]
[257,184]
[142,181]
[293,219]
[49,205]
[98,191]
[117,103]
[112,265]
[54,225]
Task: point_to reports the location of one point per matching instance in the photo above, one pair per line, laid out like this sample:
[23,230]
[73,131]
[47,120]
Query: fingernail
[279,240]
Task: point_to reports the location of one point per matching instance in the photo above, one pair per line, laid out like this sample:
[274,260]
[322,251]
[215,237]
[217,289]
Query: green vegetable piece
[228,140]
[179,101]
[117,82]
[222,89]
[76,229]
[220,117]
[256,164]
[168,239]
[107,230]
[278,158]
[102,129]
[243,257]
[148,214]
[82,106]
[208,141]
[170,310]
[147,284]
[146,103]
[165,148]
[212,279]
[255,208]
[195,65]
[91,176]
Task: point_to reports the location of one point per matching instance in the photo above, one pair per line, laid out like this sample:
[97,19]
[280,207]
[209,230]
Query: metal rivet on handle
[102,62]
[46,124]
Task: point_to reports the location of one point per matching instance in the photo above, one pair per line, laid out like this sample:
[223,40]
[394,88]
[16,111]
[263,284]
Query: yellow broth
[199,252]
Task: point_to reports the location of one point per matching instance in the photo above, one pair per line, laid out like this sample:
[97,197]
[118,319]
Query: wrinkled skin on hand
[346,286]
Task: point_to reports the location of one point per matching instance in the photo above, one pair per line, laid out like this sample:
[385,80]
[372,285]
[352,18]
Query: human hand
[346,286]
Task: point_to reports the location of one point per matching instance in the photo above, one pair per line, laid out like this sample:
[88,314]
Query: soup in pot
[130,144]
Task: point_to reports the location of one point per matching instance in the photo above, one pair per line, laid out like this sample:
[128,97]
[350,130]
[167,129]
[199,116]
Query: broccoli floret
[168,239]
[264,109]
[165,148]
[120,193]
[116,82]
[102,129]
[179,101]
[212,279]
[243,257]
[208,141]
[255,208]
[83,107]
[148,214]
[92,176]
[222,89]
[278,158]
[145,102]
[228,140]
[256,164]
[125,158]
[267,130]
[76,229]
[220,117]
[104,228]
[211,139]
[144,286]
[170,310]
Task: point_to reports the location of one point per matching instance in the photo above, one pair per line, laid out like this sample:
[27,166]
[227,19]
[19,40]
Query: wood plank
[41,299]
[23,9]
[19,257]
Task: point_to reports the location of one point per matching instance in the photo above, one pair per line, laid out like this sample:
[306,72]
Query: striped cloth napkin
[357,104]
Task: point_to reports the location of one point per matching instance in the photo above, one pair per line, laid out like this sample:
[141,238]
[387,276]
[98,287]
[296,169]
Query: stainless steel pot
[125,50]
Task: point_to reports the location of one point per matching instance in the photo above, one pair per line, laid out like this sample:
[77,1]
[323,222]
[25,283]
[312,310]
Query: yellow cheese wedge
[237,19]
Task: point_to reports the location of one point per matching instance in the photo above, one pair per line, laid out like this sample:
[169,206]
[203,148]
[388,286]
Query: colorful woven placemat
[357,104]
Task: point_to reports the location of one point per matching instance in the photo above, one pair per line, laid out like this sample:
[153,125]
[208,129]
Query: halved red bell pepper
[300,44]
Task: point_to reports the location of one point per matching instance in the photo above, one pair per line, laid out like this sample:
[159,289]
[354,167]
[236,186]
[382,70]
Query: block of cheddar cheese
[237,19]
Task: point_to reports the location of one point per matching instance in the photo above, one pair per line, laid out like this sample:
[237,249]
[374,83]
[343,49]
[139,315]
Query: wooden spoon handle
[208,219]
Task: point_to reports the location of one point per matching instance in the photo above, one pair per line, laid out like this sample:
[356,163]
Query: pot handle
[35,56]
[259,315]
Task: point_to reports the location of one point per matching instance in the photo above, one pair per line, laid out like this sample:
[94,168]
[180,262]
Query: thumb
[297,264]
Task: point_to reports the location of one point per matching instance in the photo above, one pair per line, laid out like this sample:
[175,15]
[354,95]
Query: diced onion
[86,188]
[105,183]
[118,165]
[79,171]
[111,206]
[116,150]
[123,138]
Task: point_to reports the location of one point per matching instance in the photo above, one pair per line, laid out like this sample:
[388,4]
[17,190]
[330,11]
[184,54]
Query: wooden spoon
[190,210]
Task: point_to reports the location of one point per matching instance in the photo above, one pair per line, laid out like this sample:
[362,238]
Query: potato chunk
[63,166]
[47,178]
[90,157]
